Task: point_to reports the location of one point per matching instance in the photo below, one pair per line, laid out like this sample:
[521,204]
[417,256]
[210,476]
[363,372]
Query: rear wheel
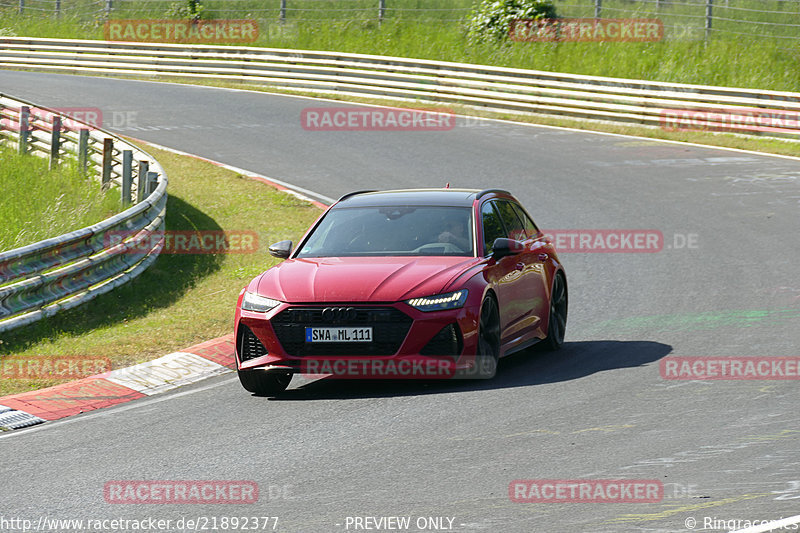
[557,324]
[263,383]
[488,339]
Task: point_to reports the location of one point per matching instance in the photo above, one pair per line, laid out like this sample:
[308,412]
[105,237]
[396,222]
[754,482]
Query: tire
[488,339]
[557,323]
[263,383]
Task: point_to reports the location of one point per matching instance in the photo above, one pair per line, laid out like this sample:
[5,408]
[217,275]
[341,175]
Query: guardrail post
[127,176]
[24,128]
[21,7]
[55,141]
[141,180]
[381,10]
[152,182]
[282,17]
[108,153]
[597,6]
[58,8]
[709,6]
[108,8]
[83,149]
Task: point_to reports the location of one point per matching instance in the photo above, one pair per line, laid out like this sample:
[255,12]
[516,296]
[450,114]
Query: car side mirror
[281,249]
[503,247]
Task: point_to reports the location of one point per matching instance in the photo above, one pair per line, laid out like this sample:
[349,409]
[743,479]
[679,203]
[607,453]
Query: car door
[513,277]
[538,250]
[527,298]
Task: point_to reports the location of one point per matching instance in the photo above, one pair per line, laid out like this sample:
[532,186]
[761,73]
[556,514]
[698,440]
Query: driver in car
[455,233]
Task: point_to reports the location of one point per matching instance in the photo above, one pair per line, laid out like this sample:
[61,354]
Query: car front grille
[389,329]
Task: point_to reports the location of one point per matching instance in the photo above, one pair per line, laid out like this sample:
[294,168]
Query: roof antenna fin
[447,186]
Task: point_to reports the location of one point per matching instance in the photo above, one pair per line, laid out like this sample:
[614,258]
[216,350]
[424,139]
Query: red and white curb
[146,379]
[173,370]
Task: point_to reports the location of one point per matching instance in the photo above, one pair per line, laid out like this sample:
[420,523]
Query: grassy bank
[182,299]
[37,203]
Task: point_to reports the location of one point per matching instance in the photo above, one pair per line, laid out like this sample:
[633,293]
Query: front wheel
[488,339]
[263,383]
[557,323]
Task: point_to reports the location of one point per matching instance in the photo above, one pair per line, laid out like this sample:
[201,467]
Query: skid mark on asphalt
[667,513]
[712,450]
[633,144]
[678,162]
[785,434]
[701,389]
[784,294]
[696,321]
[532,432]
[762,179]
[606,429]
[225,126]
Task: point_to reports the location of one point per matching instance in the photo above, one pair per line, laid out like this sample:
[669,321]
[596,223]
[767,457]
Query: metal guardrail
[43,278]
[648,103]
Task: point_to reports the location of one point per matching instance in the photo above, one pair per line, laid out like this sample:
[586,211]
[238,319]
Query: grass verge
[37,203]
[182,299]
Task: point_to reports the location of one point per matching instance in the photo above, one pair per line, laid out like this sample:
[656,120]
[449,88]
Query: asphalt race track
[327,452]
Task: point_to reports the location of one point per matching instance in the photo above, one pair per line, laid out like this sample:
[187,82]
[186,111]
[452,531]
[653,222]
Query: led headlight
[254,302]
[450,300]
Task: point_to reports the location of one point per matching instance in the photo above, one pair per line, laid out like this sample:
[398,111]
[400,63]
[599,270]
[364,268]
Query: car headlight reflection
[439,302]
[260,304]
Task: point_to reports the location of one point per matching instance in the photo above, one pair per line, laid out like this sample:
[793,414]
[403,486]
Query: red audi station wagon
[415,283]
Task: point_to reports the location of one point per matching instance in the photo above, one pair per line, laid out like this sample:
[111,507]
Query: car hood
[359,279]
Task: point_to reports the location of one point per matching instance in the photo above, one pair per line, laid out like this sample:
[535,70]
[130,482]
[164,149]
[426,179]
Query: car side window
[492,226]
[512,222]
[530,228]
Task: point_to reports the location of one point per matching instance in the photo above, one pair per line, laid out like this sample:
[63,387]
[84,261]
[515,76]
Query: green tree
[491,19]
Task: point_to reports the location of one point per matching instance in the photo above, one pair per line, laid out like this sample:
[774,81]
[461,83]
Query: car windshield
[392,230]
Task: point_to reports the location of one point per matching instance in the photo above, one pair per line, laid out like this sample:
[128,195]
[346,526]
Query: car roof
[439,197]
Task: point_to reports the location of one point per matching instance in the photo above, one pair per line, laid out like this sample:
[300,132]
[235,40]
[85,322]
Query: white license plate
[343,334]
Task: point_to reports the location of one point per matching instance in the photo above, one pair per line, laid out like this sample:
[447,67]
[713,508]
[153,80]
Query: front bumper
[408,343]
